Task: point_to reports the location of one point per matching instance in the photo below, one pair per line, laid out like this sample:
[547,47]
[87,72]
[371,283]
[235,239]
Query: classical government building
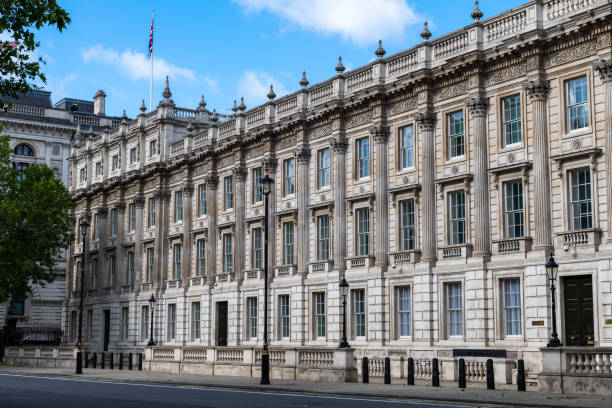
[437,181]
[41,133]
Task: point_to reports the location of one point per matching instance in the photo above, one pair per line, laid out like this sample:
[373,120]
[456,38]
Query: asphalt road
[31,391]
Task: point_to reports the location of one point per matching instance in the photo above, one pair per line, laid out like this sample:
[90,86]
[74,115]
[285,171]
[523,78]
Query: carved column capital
[604,68]
[139,201]
[477,105]
[338,144]
[425,120]
[537,89]
[120,206]
[303,155]
[162,195]
[239,173]
[212,181]
[102,211]
[380,133]
[188,188]
[269,162]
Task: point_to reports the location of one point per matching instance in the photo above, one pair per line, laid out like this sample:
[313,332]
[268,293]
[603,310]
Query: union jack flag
[8,45]
[151,39]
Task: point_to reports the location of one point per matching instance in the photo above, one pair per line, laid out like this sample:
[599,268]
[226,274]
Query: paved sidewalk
[470,395]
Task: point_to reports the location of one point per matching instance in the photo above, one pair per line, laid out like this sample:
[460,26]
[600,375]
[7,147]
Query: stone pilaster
[102,255]
[339,145]
[269,163]
[537,90]
[240,175]
[482,242]
[212,182]
[303,155]
[426,122]
[604,68]
[187,216]
[139,268]
[119,264]
[380,134]
[162,200]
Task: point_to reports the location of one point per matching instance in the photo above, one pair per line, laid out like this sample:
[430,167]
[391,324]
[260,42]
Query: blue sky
[225,49]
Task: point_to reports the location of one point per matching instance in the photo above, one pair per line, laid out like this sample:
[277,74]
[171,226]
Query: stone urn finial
[425,34]
[339,68]
[380,51]
[476,14]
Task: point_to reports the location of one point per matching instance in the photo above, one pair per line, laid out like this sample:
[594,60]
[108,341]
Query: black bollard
[435,373]
[121,361]
[387,370]
[365,371]
[139,361]
[111,363]
[86,356]
[490,375]
[462,373]
[102,361]
[520,376]
[410,371]
[94,361]
[130,361]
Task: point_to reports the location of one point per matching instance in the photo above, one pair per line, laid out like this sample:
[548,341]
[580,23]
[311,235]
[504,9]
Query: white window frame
[362,236]
[358,313]
[323,237]
[177,260]
[196,318]
[319,313]
[400,308]
[323,168]
[228,253]
[284,316]
[362,158]
[406,152]
[289,177]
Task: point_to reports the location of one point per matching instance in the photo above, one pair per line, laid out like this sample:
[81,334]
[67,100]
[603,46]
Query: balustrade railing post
[387,370]
[365,371]
[139,361]
[490,375]
[435,373]
[520,376]
[130,358]
[462,373]
[410,371]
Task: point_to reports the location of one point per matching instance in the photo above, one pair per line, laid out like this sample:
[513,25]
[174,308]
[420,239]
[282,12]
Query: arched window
[24,150]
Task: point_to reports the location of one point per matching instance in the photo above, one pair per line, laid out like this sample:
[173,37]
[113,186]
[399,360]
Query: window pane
[512,307]
[359,316]
[363,232]
[256,249]
[577,109]
[323,237]
[323,165]
[285,317]
[403,311]
[513,208]
[581,216]
[511,117]
[406,146]
[455,134]
[454,309]
[319,312]
[257,187]
[407,225]
[363,157]
[456,212]
[288,243]
[289,177]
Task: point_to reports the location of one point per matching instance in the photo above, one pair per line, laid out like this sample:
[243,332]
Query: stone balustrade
[58,357]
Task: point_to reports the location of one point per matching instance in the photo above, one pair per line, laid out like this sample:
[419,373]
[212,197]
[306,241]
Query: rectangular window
[512,307]
[323,168]
[252,319]
[97,227]
[407,225]
[152,212]
[133,155]
[513,208]
[195,320]
[113,222]
[511,120]
[228,259]
[178,206]
[177,249]
[150,264]
[94,272]
[288,243]
[577,103]
[256,248]
[257,187]
[404,309]
[363,157]
[89,324]
[130,268]
[455,134]
[581,214]
[201,257]
[323,237]
[83,174]
[289,177]
[171,322]
[202,200]
[454,309]
[115,162]
[406,147]
[284,316]
[363,231]
[153,148]
[98,168]
[73,325]
[125,323]
[319,314]
[456,217]
[228,196]
[144,323]
[359,315]
[111,271]
[132,217]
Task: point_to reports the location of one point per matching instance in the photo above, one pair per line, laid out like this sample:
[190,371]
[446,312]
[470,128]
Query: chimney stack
[99,102]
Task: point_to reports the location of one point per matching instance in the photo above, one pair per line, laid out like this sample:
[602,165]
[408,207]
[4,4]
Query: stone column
[303,155]
[380,133]
[162,200]
[187,210]
[426,122]
[270,163]
[538,94]
[139,202]
[212,182]
[102,255]
[240,175]
[604,68]
[482,241]
[119,264]
[339,145]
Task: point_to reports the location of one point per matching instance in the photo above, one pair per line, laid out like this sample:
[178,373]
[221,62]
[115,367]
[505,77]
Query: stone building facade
[436,180]
[41,133]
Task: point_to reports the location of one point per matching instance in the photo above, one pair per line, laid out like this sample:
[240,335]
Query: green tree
[19,19]
[35,225]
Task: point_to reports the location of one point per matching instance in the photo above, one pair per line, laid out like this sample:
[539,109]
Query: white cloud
[136,65]
[212,83]
[254,86]
[361,21]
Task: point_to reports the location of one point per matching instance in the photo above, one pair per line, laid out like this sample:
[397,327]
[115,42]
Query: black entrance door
[221,323]
[578,301]
[106,329]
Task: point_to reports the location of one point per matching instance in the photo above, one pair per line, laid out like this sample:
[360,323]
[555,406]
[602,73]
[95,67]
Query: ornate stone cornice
[303,155]
[425,120]
[604,68]
[477,105]
[212,181]
[537,89]
[380,133]
[338,144]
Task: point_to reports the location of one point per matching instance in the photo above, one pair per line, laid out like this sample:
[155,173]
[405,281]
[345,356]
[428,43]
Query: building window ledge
[461,251]
[359,262]
[285,270]
[173,283]
[197,281]
[511,245]
[320,266]
[251,274]
[589,238]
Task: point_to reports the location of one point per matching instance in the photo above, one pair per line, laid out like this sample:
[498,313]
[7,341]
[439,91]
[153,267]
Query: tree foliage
[35,225]
[19,19]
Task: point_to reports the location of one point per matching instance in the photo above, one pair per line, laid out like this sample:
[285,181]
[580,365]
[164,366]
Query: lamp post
[266,184]
[79,361]
[344,289]
[551,272]
[151,308]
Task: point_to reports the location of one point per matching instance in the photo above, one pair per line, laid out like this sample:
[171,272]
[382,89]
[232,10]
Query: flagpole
[151,83]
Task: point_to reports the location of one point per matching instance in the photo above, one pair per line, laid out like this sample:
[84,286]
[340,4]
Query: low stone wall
[321,365]
[58,357]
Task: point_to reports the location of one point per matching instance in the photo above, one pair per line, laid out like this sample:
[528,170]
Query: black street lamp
[266,184]
[344,289]
[79,361]
[551,271]
[151,308]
